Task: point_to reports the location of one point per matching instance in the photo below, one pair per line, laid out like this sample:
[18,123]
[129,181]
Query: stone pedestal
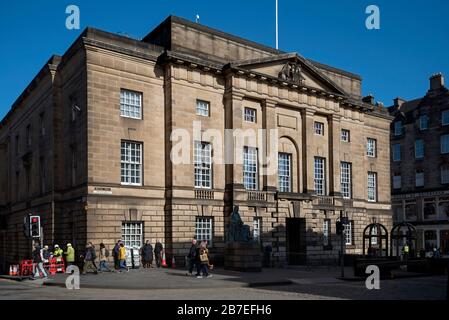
[243,256]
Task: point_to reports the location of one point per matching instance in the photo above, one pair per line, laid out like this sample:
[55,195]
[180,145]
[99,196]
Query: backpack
[88,256]
[106,253]
[46,254]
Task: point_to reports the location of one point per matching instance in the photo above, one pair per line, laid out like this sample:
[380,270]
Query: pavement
[298,283]
[145,279]
[11,290]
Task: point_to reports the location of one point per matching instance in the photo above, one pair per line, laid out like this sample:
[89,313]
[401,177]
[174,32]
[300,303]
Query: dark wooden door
[296,241]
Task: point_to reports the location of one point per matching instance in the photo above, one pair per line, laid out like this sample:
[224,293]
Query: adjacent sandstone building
[420,166]
[87,146]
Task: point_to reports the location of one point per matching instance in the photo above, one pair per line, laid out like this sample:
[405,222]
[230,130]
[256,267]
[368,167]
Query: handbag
[204,257]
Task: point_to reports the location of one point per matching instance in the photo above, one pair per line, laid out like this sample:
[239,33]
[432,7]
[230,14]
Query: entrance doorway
[296,241]
[444,242]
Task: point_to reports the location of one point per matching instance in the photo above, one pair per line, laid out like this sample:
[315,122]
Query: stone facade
[76,98]
[421,195]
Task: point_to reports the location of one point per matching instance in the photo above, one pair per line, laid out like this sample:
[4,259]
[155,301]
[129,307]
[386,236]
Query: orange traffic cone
[164,261]
[14,270]
[10,270]
[173,262]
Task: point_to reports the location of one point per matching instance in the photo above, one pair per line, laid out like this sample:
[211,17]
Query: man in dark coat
[147,255]
[94,254]
[198,260]
[157,253]
[115,252]
[192,257]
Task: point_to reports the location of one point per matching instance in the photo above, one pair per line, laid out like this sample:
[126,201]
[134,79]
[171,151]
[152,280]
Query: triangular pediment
[291,67]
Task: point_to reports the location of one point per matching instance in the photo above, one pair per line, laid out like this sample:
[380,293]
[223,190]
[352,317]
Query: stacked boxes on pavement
[133,257]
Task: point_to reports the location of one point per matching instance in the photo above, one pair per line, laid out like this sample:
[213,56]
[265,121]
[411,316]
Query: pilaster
[270,152]
[307,116]
[334,155]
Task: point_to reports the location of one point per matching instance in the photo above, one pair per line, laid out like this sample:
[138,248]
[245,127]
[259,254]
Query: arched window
[288,178]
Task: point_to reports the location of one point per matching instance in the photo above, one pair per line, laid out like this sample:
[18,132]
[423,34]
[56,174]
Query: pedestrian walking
[198,260]
[94,255]
[192,257]
[147,255]
[115,253]
[45,254]
[38,262]
[204,261]
[157,253]
[104,255]
[70,255]
[88,260]
[122,257]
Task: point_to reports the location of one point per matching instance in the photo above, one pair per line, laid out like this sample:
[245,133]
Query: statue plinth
[243,256]
[241,253]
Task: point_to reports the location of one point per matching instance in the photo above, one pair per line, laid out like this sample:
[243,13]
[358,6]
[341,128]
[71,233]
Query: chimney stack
[369,99]
[398,102]
[436,81]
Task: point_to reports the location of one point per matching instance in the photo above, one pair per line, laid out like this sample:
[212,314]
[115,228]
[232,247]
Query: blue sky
[396,60]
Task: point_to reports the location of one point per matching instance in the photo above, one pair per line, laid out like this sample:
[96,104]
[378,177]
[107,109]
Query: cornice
[230,69]
[189,61]
[110,47]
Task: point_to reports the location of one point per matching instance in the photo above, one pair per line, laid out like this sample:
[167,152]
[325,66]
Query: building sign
[99,190]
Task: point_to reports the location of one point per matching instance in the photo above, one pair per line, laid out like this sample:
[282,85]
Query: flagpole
[277,26]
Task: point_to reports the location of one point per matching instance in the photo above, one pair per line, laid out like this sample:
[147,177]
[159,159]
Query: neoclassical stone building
[88,147]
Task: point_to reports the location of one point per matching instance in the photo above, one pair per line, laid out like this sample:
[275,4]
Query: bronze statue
[238,231]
